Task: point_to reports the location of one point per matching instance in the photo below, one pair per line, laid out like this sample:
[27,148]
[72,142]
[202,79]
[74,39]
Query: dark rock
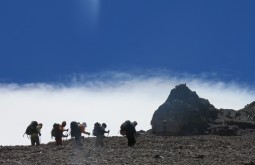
[249,163]
[225,130]
[199,156]
[249,111]
[157,156]
[185,113]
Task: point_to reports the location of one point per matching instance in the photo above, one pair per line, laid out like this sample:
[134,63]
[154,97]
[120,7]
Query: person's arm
[38,131]
[87,133]
[63,128]
[132,129]
[83,131]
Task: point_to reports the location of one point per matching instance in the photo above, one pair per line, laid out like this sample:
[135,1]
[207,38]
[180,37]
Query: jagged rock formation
[249,110]
[185,113]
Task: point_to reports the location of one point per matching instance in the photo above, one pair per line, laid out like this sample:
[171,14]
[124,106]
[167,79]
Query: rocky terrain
[150,149]
[185,113]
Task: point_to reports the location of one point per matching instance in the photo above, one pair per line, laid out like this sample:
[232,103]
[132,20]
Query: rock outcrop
[185,113]
[249,110]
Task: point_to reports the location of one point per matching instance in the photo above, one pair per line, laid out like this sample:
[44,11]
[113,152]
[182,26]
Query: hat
[64,123]
[134,123]
[40,125]
[84,124]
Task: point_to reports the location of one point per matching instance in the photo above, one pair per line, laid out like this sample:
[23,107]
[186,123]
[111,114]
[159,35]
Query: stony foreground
[149,150]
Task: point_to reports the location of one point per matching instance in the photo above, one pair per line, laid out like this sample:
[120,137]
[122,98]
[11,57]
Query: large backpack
[31,128]
[56,132]
[75,131]
[97,129]
[125,127]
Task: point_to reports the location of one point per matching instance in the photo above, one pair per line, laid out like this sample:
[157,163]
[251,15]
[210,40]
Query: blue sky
[45,41]
[113,60]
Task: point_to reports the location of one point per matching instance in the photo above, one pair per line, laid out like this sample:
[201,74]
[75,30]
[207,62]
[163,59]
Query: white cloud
[112,100]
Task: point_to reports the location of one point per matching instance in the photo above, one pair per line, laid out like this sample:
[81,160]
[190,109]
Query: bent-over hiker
[99,132]
[35,135]
[57,132]
[77,130]
[128,129]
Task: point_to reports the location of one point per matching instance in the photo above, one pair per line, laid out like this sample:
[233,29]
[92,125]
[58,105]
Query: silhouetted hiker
[103,129]
[57,132]
[99,132]
[76,131]
[34,131]
[128,129]
[35,135]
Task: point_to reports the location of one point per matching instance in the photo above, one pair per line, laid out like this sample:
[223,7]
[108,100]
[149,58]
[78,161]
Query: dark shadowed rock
[249,111]
[224,130]
[185,113]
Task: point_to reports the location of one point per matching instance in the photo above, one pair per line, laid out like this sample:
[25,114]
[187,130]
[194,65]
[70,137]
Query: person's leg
[37,141]
[32,140]
[133,140]
[101,142]
[129,140]
[78,140]
[97,141]
[58,140]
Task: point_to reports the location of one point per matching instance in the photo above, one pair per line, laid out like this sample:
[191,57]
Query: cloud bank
[110,98]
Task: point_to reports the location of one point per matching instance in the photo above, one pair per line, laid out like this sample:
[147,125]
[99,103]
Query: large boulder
[183,113]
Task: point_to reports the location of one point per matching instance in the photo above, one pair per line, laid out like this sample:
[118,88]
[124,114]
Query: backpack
[75,130]
[124,128]
[55,132]
[31,128]
[97,129]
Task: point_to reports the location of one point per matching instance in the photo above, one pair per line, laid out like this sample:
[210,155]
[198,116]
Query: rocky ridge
[185,113]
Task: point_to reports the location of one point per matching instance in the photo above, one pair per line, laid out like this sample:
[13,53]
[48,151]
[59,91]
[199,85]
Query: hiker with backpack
[128,129]
[35,135]
[34,131]
[76,131]
[103,129]
[99,132]
[57,132]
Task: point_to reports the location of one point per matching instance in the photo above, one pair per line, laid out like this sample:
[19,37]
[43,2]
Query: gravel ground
[149,149]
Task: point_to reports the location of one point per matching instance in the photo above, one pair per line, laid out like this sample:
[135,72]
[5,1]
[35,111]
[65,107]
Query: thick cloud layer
[112,100]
